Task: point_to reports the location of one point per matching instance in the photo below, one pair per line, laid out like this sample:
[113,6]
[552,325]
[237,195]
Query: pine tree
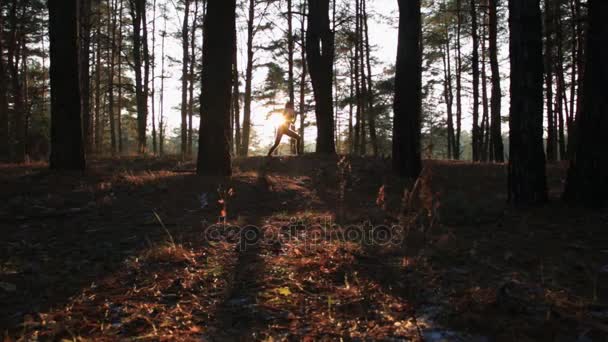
[66,131]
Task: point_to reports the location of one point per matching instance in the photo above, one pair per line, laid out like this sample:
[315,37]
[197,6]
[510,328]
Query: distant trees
[527,178]
[320,59]
[67,150]
[214,138]
[588,175]
[408,91]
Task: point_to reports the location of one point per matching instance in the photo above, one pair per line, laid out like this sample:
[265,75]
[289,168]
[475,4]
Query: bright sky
[382,35]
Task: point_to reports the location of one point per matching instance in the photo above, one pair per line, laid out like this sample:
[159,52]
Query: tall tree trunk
[549,56]
[320,58]
[98,122]
[236,107]
[4,126]
[185,61]
[84,18]
[290,53]
[358,95]
[161,125]
[448,94]
[214,150]
[248,80]
[587,182]
[153,92]
[119,84]
[527,176]
[351,71]
[458,78]
[192,79]
[580,66]
[363,98]
[67,151]
[14,55]
[496,134]
[146,90]
[303,75]
[408,91]
[111,58]
[370,95]
[485,117]
[561,86]
[137,8]
[476,131]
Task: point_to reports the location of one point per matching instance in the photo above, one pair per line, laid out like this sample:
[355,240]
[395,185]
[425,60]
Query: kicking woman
[286,129]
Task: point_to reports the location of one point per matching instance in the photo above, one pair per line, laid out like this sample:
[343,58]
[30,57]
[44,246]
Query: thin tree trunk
[192,78]
[448,94]
[67,151]
[248,80]
[84,17]
[236,107]
[111,59]
[561,86]
[214,151]
[162,88]
[14,55]
[98,122]
[370,96]
[359,112]
[185,61]
[496,134]
[549,56]
[485,117]
[119,84]
[153,93]
[527,177]
[408,92]
[476,134]
[363,97]
[303,75]
[4,125]
[458,78]
[146,94]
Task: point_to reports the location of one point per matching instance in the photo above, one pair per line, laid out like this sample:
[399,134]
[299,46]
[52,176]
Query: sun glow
[276,120]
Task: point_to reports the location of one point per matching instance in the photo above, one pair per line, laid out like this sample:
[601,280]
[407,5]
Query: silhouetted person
[285,128]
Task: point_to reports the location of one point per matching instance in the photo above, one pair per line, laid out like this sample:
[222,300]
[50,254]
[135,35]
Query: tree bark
[4,126]
[320,58]
[549,60]
[119,84]
[248,80]
[137,7]
[185,61]
[370,96]
[458,78]
[496,134]
[476,136]
[214,149]
[587,183]
[111,57]
[303,75]
[67,151]
[408,92]
[84,21]
[527,178]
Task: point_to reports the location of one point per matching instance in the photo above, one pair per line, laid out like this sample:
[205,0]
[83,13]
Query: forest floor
[134,250]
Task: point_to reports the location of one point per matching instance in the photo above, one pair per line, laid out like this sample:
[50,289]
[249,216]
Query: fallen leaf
[284,291]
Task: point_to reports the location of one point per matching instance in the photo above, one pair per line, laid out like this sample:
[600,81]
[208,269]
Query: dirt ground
[310,248]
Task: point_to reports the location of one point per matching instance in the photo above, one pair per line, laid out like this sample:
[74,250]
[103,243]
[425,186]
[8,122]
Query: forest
[228,170]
